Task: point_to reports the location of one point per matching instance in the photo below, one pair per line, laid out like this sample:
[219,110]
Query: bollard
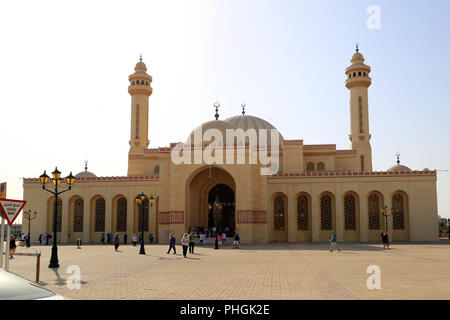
[38,266]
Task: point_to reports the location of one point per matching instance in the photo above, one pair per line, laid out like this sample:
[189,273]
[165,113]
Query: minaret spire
[217,105]
[243,108]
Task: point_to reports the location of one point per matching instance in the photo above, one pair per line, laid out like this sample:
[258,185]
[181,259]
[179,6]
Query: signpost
[2,225]
[10,209]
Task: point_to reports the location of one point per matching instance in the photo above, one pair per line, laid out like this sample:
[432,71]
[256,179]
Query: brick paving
[256,271]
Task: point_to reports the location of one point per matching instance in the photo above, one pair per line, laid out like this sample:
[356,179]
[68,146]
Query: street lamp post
[386,215]
[54,263]
[29,216]
[142,201]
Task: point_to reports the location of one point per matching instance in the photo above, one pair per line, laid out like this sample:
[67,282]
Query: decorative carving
[171,217]
[251,217]
[100,215]
[121,215]
[350,212]
[398,217]
[279,214]
[302,212]
[310,166]
[78,215]
[374,212]
[321,166]
[326,213]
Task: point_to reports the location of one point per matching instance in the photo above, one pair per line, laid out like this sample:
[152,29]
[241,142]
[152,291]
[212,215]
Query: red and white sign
[11,209]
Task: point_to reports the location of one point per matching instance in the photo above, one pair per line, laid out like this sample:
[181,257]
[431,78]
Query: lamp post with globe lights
[70,179]
[29,215]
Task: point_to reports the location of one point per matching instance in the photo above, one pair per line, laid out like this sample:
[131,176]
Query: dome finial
[217,105]
[357,47]
[398,158]
[140,58]
[85,165]
[243,108]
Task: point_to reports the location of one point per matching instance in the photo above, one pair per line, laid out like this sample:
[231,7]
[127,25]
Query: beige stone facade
[316,189]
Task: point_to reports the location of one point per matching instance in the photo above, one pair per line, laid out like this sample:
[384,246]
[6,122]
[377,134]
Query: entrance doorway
[221,205]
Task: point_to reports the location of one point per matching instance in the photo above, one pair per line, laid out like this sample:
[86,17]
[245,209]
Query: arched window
[354,74]
[321,166]
[146,83]
[350,212]
[360,115]
[279,213]
[122,215]
[359,74]
[374,212]
[362,163]
[350,75]
[310,166]
[137,121]
[398,217]
[100,215]
[364,74]
[78,215]
[302,212]
[326,212]
[156,169]
[144,213]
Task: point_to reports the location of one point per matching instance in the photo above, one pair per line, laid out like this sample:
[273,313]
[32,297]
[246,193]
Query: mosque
[314,189]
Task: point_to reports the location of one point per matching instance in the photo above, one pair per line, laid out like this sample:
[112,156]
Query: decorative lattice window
[302,212]
[121,215]
[279,213]
[100,215]
[58,215]
[398,216]
[144,213]
[78,211]
[362,163]
[350,212]
[326,210]
[374,212]
[310,166]
[360,115]
[156,169]
[321,166]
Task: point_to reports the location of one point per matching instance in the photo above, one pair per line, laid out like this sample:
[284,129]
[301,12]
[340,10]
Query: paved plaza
[264,271]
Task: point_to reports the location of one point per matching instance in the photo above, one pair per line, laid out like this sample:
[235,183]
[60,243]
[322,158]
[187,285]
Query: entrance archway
[201,189]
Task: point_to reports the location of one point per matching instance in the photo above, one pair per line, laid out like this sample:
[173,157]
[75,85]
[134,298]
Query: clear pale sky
[64,68]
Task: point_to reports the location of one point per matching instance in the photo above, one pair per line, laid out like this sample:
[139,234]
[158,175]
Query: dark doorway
[224,195]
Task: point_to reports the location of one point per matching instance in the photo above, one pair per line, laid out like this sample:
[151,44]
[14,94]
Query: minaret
[139,90]
[358,82]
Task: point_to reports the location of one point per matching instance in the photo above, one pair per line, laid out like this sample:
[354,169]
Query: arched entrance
[202,189]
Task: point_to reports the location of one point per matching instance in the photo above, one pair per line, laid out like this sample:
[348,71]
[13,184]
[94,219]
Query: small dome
[140,67]
[246,122]
[85,174]
[398,167]
[357,57]
[222,126]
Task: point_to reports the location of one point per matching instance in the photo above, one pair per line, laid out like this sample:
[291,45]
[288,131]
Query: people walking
[333,242]
[385,239]
[125,238]
[236,241]
[224,238]
[219,240]
[152,238]
[172,244]
[202,238]
[185,244]
[102,238]
[134,240]
[47,239]
[12,246]
[191,243]
[116,241]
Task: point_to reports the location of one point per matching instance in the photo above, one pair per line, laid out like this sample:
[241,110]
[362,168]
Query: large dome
[243,122]
[85,174]
[246,122]
[398,167]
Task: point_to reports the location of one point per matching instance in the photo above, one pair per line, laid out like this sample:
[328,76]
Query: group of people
[44,239]
[110,238]
[334,245]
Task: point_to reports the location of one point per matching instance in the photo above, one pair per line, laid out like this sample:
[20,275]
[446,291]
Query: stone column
[363,216]
[339,214]
[108,216]
[292,214]
[130,216]
[86,219]
[315,215]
